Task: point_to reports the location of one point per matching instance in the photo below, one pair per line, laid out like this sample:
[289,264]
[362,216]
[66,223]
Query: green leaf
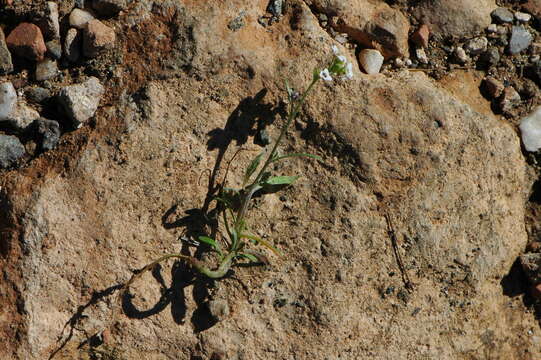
[250,257]
[289,89]
[252,167]
[281,180]
[208,241]
[260,241]
[277,158]
[315,74]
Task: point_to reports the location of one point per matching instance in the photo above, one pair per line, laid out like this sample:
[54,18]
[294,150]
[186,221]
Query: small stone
[371,61]
[97,37]
[341,39]
[219,309]
[6,64]
[533,7]
[21,117]
[48,132]
[492,28]
[408,62]
[109,7]
[80,4]
[8,100]
[275,7]
[72,45]
[502,30]
[38,94]
[509,100]
[502,15]
[421,55]
[11,150]
[27,41]
[534,58]
[46,70]
[491,57]
[520,40]
[323,17]
[54,49]
[534,246]
[460,55]
[493,87]
[531,264]
[421,36]
[81,101]
[262,138]
[49,24]
[398,63]
[535,290]
[476,46]
[237,22]
[530,129]
[522,17]
[79,18]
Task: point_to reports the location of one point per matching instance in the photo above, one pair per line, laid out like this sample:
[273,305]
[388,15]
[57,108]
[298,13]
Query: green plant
[233,204]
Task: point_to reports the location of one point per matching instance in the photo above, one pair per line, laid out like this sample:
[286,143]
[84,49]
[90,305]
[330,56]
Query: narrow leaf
[208,241]
[277,158]
[252,167]
[265,243]
[281,180]
[289,89]
[250,257]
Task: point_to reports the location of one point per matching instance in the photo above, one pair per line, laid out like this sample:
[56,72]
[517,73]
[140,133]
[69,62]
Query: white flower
[335,50]
[342,58]
[325,75]
[349,71]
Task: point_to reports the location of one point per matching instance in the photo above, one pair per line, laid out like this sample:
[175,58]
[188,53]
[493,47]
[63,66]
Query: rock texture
[27,41]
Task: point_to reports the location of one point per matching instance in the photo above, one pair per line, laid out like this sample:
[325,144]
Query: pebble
[8,100]
[275,7]
[38,94]
[523,17]
[476,46]
[97,37]
[408,62]
[6,64]
[531,263]
[219,309]
[72,45]
[27,41]
[22,116]
[11,150]
[81,101]
[509,100]
[491,57]
[48,132]
[460,55]
[54,49]
[502,15]
[535,48]
[109,7]
[492,28]
[398,62]
[46,70]
[49,25]
[530,129]
[421,36]
[79,18]
[371,61]
[520,40]
[493,87]
[421,55]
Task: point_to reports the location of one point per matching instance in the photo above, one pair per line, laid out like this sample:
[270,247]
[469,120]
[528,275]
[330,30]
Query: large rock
[455,17]
[26,40]
[449,175]
[81,101]
[369,23]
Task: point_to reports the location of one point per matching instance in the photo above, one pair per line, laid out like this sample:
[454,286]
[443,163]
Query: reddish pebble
[534,246]
[27,41]
[97,37]
[421,35]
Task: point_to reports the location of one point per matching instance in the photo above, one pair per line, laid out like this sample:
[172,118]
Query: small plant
[233,204]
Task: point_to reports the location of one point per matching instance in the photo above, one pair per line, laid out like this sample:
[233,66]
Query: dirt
[428,153]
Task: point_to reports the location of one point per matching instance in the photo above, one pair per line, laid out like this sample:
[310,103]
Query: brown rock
[534,246]
[97,37]
[455,17]
[509,100]
[420,36]
[27,41]
[493,87]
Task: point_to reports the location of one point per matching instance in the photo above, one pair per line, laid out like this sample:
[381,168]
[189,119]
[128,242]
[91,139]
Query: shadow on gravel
[515,283]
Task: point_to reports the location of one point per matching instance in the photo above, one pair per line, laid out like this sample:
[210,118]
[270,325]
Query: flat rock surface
[188,92]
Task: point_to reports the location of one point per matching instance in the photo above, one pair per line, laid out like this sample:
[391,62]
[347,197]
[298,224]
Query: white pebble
[79,18]
[523,17]
[8,99]
[421,55]
[371,60]
[492,28]
[530,128]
